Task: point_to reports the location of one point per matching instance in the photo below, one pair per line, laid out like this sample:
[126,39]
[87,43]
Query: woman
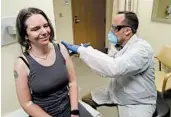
[45,77]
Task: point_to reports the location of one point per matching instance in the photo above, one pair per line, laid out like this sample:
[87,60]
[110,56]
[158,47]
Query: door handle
[76,20]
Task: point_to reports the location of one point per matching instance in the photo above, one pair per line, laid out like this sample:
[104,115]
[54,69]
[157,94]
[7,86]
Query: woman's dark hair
[21,26]
[131,19]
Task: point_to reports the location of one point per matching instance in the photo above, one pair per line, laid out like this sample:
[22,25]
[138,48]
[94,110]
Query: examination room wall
[157,34]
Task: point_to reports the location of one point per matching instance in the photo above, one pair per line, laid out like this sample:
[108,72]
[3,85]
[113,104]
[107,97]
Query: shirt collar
[130,41]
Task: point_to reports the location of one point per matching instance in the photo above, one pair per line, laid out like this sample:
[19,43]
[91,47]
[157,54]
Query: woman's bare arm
[73,90]
[23,92]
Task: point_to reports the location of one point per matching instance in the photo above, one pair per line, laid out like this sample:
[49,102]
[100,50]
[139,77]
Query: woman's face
[38,30]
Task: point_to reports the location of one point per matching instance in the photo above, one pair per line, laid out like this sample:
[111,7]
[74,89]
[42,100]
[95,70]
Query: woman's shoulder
[20,62]
[64,50]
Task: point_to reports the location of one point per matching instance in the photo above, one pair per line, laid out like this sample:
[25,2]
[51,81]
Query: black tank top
[48,85]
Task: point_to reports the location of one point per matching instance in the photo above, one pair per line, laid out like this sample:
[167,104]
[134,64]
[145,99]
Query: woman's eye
[46,25]
[35,28]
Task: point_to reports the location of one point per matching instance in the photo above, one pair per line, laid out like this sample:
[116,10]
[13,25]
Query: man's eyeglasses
[117,28]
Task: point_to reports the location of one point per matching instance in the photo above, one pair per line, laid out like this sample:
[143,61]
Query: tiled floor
[88,80]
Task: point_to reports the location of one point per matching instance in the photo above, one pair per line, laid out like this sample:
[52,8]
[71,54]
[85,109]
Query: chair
[162,108]
[87,111]
[163,81]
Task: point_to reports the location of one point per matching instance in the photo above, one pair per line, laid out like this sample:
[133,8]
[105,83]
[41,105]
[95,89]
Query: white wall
[157,34]
[9,100]
[63,24]
[109,10]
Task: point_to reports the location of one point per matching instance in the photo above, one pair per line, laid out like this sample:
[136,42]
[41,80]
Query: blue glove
[85,44]
[71,47]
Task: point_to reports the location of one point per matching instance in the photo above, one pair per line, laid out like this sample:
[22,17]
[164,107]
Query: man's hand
[71,47]
[74,48]
[85,44]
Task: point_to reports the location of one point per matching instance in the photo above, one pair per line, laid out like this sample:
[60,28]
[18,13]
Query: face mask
[112,38]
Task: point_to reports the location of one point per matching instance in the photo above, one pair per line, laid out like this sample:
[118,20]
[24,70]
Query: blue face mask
[112,38]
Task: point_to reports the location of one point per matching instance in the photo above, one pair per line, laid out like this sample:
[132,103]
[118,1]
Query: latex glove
[74,48]
[71,47]
[85,44]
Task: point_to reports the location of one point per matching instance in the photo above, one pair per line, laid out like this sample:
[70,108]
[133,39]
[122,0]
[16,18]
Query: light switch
[60,15]
[8,30]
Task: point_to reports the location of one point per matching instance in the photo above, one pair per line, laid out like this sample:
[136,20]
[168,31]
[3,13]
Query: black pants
[88,99]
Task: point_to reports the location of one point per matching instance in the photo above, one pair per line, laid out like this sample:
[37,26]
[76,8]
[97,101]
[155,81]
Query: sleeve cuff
[80,49]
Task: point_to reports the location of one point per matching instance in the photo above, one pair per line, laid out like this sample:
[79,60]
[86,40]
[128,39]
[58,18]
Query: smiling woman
[38,31]
[44,70]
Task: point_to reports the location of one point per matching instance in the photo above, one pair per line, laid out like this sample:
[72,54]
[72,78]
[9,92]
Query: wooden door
[89,22]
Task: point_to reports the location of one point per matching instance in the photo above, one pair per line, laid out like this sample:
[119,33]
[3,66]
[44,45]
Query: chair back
[164,56]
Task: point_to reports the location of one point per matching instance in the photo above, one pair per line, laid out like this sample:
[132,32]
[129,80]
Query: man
[131,69]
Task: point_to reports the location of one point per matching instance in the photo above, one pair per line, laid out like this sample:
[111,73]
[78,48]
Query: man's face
[119,28]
